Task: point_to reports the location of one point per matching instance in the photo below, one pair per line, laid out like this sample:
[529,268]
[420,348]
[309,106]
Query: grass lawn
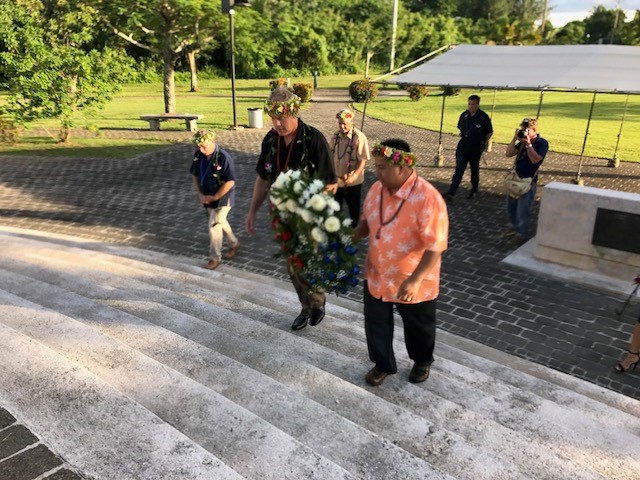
[83,147]
[563,118]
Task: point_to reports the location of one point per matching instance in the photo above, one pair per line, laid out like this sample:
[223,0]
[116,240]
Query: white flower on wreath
[281,206]
[346,222]
[332,224]
[305,215]
[334,205]
[316,186]
[282,180]
[298,187]
[305,196]
[295,174]
[318,235]
[317,202]
[291,205]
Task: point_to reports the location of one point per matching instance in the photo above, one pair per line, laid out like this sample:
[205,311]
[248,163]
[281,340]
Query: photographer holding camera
[529,149]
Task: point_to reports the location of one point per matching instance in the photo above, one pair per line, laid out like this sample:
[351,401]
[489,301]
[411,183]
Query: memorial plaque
[617,230]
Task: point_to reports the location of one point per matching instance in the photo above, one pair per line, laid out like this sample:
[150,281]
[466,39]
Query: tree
[573,33]
[50,72]
[170,29]
[599,25]
[630,31]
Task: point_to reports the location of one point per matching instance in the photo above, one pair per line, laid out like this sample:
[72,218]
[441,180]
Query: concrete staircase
[138,365]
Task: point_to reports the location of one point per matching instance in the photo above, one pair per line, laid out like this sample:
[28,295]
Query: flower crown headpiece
[344,115]
[204,136]
[280,109]
[395,156]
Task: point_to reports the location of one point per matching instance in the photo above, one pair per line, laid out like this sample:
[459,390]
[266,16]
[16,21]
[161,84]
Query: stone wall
[566,230]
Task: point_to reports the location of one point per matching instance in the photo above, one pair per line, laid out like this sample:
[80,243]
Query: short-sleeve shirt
[473,131]
[310,152]
[422,224]
[212,172]
[348,151]
[524,167]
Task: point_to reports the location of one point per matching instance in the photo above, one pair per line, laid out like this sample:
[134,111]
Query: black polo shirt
[310,152]
[474,130]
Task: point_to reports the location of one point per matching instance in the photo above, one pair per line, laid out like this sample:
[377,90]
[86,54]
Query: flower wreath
[314,236]
[203,136]
[344,115]
[395,156]
[280,109]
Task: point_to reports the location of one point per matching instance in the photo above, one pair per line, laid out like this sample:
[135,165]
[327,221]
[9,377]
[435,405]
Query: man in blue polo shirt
[214,180]
[475,131]
[530,149]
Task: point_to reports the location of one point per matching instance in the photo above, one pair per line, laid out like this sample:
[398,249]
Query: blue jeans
[519,211]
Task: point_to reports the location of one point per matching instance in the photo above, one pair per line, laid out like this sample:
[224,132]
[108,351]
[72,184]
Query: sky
[565,11]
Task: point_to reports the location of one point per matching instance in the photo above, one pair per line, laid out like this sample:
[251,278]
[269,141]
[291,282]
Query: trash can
[255,117]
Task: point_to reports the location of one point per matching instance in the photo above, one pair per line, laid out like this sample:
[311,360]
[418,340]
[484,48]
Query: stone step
[319,427]
[474,416]
[99,430]
[203,415]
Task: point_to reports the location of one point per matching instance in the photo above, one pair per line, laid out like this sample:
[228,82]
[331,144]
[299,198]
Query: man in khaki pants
[214,181]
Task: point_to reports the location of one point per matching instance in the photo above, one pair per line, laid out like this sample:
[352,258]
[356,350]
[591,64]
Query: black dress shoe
[317,314]
[300,322]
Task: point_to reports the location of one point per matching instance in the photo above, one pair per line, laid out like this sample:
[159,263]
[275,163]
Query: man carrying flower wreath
[214,180]
[407,223]
[350,153]
[292,145]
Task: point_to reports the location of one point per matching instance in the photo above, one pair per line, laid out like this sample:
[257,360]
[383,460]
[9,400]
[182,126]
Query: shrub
[416,92]
[449,91]
[9,131]
[278,82]
[303,90]
[358,90]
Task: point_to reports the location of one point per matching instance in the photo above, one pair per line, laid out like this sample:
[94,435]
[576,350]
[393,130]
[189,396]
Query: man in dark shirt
[475,131]
[292,145]
[530,149]
[214,181]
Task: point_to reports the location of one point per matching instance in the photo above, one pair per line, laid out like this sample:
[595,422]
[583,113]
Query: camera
[524,128]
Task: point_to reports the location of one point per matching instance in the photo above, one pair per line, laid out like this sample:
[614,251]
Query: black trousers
[419,320]
[462,158]
[351,195]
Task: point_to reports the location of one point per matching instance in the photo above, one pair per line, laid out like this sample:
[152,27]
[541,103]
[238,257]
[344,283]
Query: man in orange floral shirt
[407,223]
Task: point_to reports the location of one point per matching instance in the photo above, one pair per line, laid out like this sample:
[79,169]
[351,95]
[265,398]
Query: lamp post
[228,7]
[394,25]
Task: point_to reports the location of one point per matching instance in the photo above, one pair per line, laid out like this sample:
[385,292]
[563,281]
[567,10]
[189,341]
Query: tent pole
[439,159]
[540,104]
[578,180]
[615,161]
[364,110]
[493,107]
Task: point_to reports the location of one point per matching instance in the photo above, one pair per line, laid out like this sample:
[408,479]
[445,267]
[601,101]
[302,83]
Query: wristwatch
[529,145]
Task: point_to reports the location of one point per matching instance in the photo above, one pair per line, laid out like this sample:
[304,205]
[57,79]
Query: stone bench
[190,120]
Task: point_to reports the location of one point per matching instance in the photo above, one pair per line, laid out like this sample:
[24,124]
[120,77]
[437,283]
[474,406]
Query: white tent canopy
[591,68]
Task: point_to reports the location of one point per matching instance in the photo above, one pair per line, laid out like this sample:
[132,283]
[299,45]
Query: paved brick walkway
[148,202]
[24,457]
